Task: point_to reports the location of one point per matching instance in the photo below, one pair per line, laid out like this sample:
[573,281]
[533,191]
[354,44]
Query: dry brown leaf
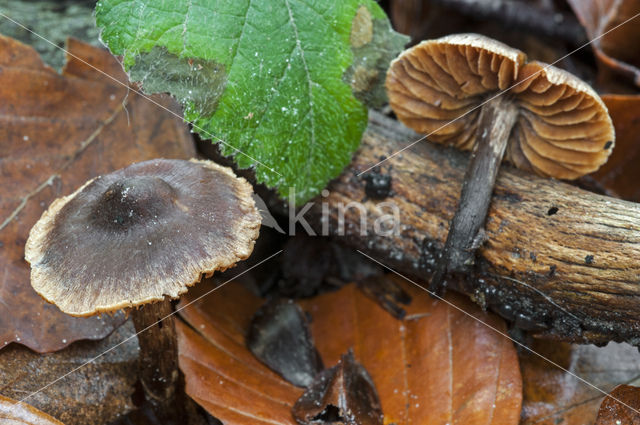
[621,173]
[13,412]
[221,374]
[617,50]
[437,366]
[56,132]
[623,407]
[99,392]
[554,397]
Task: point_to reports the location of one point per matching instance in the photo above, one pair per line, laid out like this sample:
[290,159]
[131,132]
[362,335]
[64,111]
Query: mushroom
[141,236]
[475,93]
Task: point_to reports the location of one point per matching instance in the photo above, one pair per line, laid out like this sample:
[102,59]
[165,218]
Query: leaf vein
[279,81]
[184,27]
[307,167]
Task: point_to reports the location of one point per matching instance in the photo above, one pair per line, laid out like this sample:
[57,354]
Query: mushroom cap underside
[141,233]
[438,87]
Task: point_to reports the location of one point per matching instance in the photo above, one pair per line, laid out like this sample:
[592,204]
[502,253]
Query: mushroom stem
[497,119]
[158,355]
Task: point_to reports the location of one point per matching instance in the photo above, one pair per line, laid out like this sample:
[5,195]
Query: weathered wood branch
[559,261]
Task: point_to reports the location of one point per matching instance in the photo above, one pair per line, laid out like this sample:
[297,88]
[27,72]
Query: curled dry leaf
[616,49]
[57,131]
[344,393]
[622,406]
[555,397]
[13,412]
[621,173]
[436,366]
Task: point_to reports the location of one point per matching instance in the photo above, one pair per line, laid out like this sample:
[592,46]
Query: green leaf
[280,82]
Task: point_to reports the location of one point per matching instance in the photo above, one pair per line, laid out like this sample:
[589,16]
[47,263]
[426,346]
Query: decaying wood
[558,260]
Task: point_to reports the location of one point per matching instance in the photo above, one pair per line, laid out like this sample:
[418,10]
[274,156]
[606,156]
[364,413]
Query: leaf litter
[436,366]
[59,130]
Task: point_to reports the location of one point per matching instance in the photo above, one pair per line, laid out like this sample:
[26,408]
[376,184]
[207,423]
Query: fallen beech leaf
[554,397]
[616,50]
[436,366]
[386,293]
[13,412]
[221,374]
[98,393]
[58,131]
[344,393]
[612,412]
[621,173]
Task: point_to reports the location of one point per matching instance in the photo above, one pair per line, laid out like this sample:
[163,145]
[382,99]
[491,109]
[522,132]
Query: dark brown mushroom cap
[141,233]
[563,129]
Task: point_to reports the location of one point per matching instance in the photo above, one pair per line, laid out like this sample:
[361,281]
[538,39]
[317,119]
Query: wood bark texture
[559,261]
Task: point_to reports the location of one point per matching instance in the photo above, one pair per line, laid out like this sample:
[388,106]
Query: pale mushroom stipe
[143,235]
[539,118]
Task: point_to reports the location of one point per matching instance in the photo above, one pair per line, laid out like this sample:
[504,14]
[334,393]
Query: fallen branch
[558,260]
